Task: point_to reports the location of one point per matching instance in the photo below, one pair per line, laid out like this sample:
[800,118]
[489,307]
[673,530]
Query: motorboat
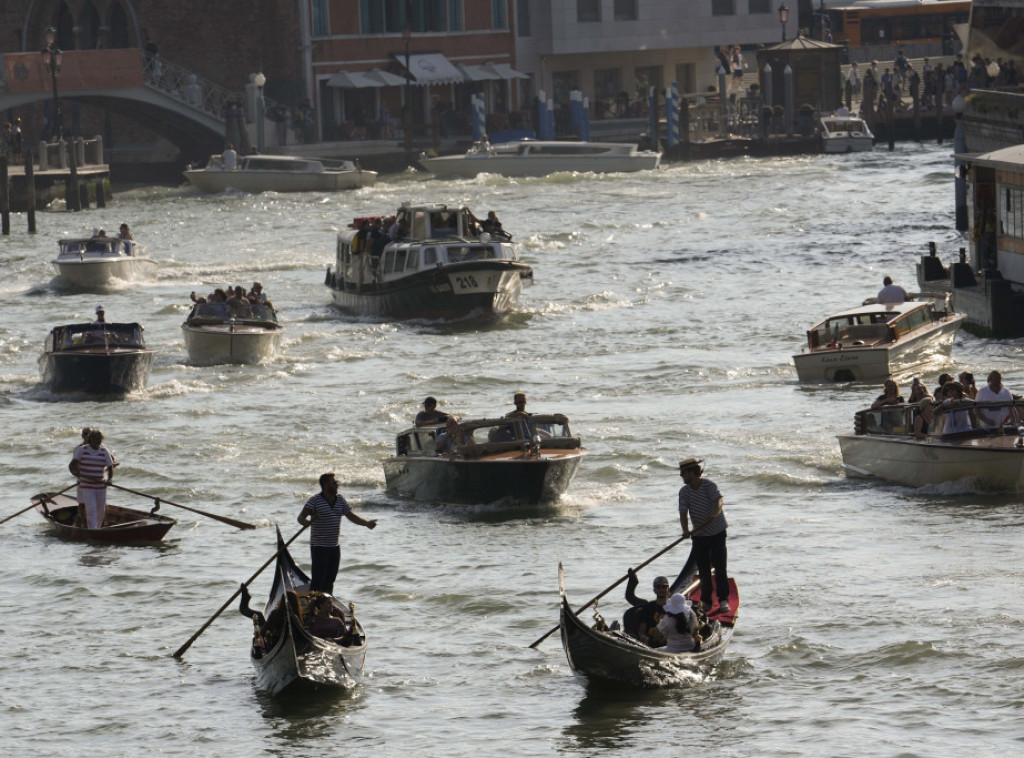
[285,654]
[231,333]
[875,340]
[981,444]
[515,461]
[280,173]
[845,134]
[602,653]
[529,157]
[99,261]
[440,265]
[99,358]
[122,526]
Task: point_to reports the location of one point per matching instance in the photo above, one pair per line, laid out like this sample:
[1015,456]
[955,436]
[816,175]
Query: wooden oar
[33,505]
[181,650]
[660,553]
[225,519]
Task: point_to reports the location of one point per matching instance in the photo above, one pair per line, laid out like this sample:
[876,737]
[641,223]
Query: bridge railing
[188,88]
[54,155]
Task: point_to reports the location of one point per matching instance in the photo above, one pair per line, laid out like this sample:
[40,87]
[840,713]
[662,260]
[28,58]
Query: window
[499,14]
[588,10]
[625,10]
[607,83]
[686,77]
[759,6]
[723,8]
[523,18]
[455,17]
[430,256]
[321,24]
[647,77]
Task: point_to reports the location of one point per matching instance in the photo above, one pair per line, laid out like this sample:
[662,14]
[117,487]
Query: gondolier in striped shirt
[94,465]
[324,510]
[700,500]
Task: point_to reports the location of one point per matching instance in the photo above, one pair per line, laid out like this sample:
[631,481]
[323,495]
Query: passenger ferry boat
[988,453]
[280,173]
[231,333]
[530,157]
[521,461]
[874,341]
[845,134]
[89,262]
[441,265]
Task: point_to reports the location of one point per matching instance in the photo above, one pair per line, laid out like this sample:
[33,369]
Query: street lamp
[51,59]
[261,112]
[783,18]
[407,106]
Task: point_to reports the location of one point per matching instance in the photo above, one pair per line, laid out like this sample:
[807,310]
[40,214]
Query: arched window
[88,27]
[119,33]
[65,25]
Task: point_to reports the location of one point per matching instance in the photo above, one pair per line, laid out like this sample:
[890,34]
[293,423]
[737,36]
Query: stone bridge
[176,104]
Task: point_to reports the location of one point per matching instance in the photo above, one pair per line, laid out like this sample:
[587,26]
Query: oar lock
[156,506]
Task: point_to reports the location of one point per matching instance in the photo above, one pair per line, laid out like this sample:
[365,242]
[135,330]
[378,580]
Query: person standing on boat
[700,500]
[324,511]
[430,415]
[124,233]
[229,157]
[891,293]
[94,465]
[519,400]
[890,395]
[101,316]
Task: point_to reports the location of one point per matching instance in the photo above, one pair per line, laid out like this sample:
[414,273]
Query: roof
[431,68]
[365,79]
[889,308]
[803,44]
[1008,157]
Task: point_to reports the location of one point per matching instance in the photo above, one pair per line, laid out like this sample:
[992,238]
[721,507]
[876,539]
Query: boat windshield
[518,430]
[91,246]
[862,329]
[213,312]
[83,335]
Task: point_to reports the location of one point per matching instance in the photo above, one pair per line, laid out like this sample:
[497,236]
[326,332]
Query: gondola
[600,654]
[285,654]
[122,526]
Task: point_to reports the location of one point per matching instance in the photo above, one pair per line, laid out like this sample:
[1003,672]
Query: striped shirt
[701,503]
[91,465]
[326,528]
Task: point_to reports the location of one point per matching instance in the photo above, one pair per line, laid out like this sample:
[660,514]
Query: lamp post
[407,104]
[261,113]
[783,18]
[51,59]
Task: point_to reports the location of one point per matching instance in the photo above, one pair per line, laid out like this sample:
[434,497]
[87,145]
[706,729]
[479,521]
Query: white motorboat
[529,157]
[441,265]
[874,341]
[90,262]
[845,134]
[231,333]
[280,173]
[988,453]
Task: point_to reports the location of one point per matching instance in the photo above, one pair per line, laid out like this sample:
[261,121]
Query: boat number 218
[466,282]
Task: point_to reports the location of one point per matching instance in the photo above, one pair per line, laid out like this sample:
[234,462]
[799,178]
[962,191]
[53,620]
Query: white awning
[364,79]
[504,71]
[477,73]
[431,68]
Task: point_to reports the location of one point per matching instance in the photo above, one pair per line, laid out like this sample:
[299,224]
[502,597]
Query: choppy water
[876,620]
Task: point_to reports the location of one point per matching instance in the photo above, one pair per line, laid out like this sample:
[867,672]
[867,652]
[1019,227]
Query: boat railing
[965,417]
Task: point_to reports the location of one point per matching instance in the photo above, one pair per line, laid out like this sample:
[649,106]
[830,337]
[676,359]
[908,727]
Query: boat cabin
[95,247]
[481,437]
[84,336]
[216,313]
[963,419]
[870,325]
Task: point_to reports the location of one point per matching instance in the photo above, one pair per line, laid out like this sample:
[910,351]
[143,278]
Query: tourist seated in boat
[966,379]
[430,416]
[918,392]
[641,620]
[890,396]
[493,227]
[325,620]
[256,294]
[994,392]
[452,436]
[956,418]
[679,625]
[98,243]
[924,421]
[943,378]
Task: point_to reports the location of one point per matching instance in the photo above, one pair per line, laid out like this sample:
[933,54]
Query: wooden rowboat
[121,526]
[286,654]
[602,655]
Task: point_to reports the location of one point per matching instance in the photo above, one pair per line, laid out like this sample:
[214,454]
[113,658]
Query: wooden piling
[83,196]
[5,199]
[30,190]
[101,195]
[72,198]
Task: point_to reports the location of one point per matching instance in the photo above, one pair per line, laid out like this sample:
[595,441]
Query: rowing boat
[123,526]
[600,654]
[285,654]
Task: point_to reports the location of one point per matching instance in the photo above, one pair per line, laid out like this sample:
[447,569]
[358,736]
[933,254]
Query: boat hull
[123,526]
[536,166]
[522,480]
[991,461]
[875,363]
[453,291]
[835,145]
[279,181]
[91,272]
[114,372]
[299,659]
[213,344]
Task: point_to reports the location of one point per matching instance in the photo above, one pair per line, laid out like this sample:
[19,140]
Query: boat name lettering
[839,358]
[442,287]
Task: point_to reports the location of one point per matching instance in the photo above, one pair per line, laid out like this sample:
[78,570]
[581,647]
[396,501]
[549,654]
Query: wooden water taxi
[122,526]
[99,358]
[218,333]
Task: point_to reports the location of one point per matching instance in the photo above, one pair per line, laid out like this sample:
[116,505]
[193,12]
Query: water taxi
[874,341]
[231,333]
[845,134]
[99,261]
[280,173]
[100,358]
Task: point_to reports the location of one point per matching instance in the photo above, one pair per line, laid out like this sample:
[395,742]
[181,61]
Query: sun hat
[691,463]
[677,604]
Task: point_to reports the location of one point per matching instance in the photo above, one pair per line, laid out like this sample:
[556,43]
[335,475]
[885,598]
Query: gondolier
[702,502]
[94,465]
[324,510]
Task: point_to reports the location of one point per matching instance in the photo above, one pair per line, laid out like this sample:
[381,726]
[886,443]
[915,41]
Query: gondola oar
[660,553]
[225,519]
[33,505]
[181,650]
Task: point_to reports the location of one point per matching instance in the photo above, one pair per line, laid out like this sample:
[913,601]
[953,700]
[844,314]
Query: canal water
[875,620]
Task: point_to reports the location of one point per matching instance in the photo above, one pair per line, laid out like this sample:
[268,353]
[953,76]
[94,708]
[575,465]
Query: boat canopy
[872,324]
[74,336]
[219,312]
[483,436]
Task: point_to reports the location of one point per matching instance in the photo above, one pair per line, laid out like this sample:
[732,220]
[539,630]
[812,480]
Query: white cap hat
[99,309]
